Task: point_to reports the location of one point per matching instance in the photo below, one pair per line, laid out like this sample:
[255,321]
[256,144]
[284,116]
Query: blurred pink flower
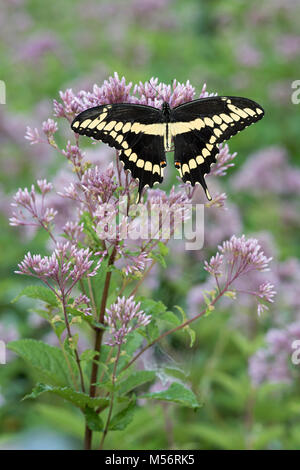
[248,55]
[267,171]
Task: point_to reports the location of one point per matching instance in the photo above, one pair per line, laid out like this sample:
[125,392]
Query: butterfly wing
[199,126]
[136,131]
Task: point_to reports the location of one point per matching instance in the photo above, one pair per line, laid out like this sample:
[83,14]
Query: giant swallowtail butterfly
[142,134]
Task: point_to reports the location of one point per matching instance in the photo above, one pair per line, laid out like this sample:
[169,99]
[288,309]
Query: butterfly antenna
[156,91]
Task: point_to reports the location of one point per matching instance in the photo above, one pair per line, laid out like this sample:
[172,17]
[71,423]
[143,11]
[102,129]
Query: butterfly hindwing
[199,126]
[189,159]
[136,131]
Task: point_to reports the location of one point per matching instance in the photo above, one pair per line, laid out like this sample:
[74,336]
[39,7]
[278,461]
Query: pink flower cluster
[123,317]
[66,266]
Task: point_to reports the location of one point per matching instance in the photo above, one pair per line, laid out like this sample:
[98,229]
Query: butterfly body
[142,134]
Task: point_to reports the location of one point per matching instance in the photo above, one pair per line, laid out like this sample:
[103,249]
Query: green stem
[71,339]
[98,341]
[112,396]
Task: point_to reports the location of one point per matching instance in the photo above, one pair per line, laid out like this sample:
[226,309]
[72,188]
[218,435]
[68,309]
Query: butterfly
[142,134]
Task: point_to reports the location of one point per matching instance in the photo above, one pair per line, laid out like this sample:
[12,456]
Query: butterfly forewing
[136,131]
[199,126]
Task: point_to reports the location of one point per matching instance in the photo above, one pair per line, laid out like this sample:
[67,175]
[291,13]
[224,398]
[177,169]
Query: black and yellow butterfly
[142,134]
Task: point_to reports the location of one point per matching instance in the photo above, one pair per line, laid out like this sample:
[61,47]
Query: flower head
[30,208]
[123,317]
[64,267]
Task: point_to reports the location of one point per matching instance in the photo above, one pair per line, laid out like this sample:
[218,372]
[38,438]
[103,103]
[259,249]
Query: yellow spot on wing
[199,159]
[198,124]
[94,123]
[192,164]
[237,110]
[85,123]
[235,116]
[110,126]
[218,132]
[126,127]
[217,119]
[76,124]
[185,168]
[133,157]
[209,122]
[118,126]
[156,169]
[101,125]
[226,118]
[249,111]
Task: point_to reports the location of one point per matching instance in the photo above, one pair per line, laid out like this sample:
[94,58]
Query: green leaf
[176,393]
[187,328]
[88,355]
[38,292]
[121,420]
[158,258]
[133,343]
[64,419]
[93,420]
[136,380]
[79,399]
[48,361]
[163,249]
[171,318]
[152,307]
[152,331]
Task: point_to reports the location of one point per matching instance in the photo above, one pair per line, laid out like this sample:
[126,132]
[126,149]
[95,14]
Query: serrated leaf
[40,293]
[152,307]
[93,420]
[48,361]
[121,420]
[79,399]
[176,393]
[136,380]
